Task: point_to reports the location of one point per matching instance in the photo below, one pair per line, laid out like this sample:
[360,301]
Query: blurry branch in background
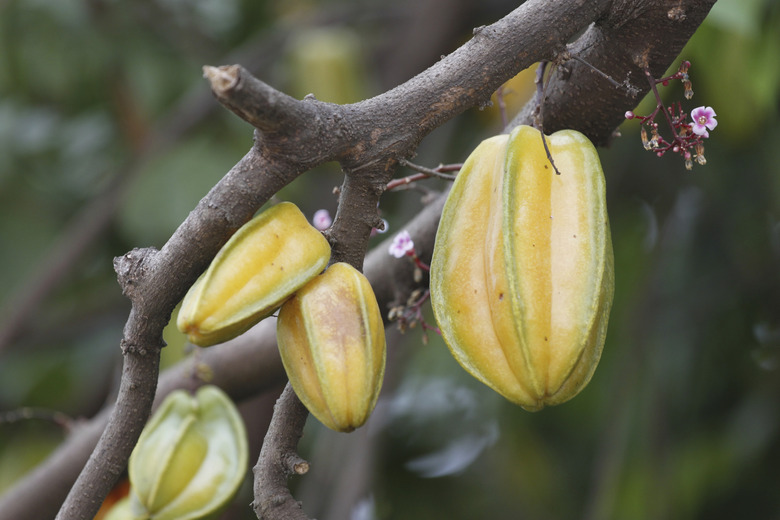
[272,499]
[367,139]
[244,367]
[94,219]
[91,223]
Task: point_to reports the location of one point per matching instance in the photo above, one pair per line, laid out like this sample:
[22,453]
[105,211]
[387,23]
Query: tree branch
[155,281]
[243,367]
[631,35]
[367,139]
[279,460]
[90,223]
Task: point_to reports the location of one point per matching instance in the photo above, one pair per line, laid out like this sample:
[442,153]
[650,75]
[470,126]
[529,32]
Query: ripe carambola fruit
[190,458]
[264,262]
[522,270]
[332,342]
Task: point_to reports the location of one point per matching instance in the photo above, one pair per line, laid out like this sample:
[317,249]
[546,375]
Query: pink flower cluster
[687,138]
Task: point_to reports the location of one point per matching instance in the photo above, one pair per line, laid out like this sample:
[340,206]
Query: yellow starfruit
[522,270]
[190,458]
[332,342]
[263,263]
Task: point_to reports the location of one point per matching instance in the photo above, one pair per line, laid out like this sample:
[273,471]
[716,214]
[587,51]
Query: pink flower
[321,219]
[703,120]
[402,245]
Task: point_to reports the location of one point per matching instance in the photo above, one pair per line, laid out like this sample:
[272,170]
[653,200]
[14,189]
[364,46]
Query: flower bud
[190,458]
[262,264]
[332,342]
[522,268]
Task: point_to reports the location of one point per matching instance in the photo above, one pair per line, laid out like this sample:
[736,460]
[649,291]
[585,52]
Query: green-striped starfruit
[264,262]
[190,458]
[332,342]
[522,268]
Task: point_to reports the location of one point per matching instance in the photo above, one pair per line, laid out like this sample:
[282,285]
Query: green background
[682,417]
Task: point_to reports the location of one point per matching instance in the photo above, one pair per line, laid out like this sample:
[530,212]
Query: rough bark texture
[629,36]
[367,139]
[278,460]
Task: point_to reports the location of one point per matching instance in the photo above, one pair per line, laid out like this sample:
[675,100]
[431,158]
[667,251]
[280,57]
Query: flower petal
[402,244]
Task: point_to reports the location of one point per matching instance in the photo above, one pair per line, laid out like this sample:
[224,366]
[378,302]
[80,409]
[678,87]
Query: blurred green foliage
[682,417]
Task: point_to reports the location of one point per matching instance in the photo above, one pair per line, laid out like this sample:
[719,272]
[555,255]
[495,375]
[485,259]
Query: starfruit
[190,458]
[263,263]
[332,343]
[522,268]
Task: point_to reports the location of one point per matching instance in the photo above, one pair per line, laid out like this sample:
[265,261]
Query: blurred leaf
[327,62]
[738,16]
[734,67]
[170,187]
[176,348]
[22,448]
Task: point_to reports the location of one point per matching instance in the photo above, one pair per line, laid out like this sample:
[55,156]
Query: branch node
[378,223]
[294,464]
[676,14]
[130,347]
[131,269]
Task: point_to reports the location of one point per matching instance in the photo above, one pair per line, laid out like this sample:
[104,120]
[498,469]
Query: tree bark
[368,139]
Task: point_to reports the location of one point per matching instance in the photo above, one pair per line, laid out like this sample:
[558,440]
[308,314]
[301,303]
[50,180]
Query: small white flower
[402,245]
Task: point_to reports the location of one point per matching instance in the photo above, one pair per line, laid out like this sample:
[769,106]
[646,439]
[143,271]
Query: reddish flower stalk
[442,171]
[685,136]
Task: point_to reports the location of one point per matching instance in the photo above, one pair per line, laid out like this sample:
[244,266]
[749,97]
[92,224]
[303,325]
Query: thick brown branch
[366,138]
[634,34]
[155,281]
[95,218]
[393,123]
[265,108]
[279,460]
[243,367]
[109,458]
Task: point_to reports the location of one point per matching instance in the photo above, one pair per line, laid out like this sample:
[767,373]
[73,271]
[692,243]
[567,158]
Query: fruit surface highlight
[522,270]
[262,264]
[332,342]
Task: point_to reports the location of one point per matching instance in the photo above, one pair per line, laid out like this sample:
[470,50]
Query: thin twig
[433,172]
[541,87]
[406,181]
[425,173]
[660,107]
[604,75]
[28,413]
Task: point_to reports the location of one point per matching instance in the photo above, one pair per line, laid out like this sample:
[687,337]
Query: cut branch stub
[304,133]
[131,268]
